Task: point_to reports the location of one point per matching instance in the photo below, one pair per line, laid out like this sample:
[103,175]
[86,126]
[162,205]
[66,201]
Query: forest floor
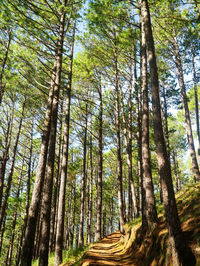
[135,249]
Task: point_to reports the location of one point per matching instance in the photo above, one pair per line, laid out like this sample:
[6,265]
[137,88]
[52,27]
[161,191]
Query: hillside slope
[135,249]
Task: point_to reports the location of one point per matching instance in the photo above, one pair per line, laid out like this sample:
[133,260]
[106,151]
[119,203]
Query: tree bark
[138,100]
[185,255]
[56,185]
[28,244]
[18,256]
[2,86]
[119,157]
[176,171]
[10,177]
[83,184]
[196,102]
[48,185]
[10,249]
[64,164]
[195,168]
[149,208]
[5,156]
[98,234]
[90,205]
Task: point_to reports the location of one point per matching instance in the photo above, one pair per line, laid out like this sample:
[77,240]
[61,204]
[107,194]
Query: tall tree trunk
[3,65]
[40,173]
[90,205]
[5,156]
[119,157]
[10,177]
[165,113]
[28,186]
[27,248]
[68,218]
[138,100]
[104,221]
[185,254]
[64,164]
[74,213]
[195,168]
[10,249]
[196,101]
[176,171]
[111,212]
[48,185]
[56,185]
[138,118]
[98,234]
[149,207]
[83,184]
[128,136]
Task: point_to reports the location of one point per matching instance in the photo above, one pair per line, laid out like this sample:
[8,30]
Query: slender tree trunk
[128,136]
[104,221]
[138,100]
[17,249]
[177,179]
[90,205]
[74,213]
[48,186]
[185,254]
[196,102]
[2,232]
[165,113]
[10,177]
[119,157]
[28,244]
[68,219]
[5,156]
[10,249]
[98,234]
[149,203]
[83,185]
[111,213]
[3,65]
[40,173]
[56,188]
[28,186]
[195,168]
[64,165]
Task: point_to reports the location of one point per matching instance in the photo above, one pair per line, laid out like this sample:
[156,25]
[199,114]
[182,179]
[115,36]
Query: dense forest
[99,121]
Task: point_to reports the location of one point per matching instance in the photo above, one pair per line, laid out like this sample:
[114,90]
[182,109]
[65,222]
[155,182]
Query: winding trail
[108,252]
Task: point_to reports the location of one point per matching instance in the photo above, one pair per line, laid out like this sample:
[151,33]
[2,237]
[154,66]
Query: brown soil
[107,252]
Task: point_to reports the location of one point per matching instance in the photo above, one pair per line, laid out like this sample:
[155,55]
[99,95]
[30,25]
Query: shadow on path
[107,252]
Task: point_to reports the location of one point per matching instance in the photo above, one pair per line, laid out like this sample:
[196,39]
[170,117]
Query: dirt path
[108,252]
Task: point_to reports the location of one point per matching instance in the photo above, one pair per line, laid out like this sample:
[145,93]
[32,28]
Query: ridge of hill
[135,249]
